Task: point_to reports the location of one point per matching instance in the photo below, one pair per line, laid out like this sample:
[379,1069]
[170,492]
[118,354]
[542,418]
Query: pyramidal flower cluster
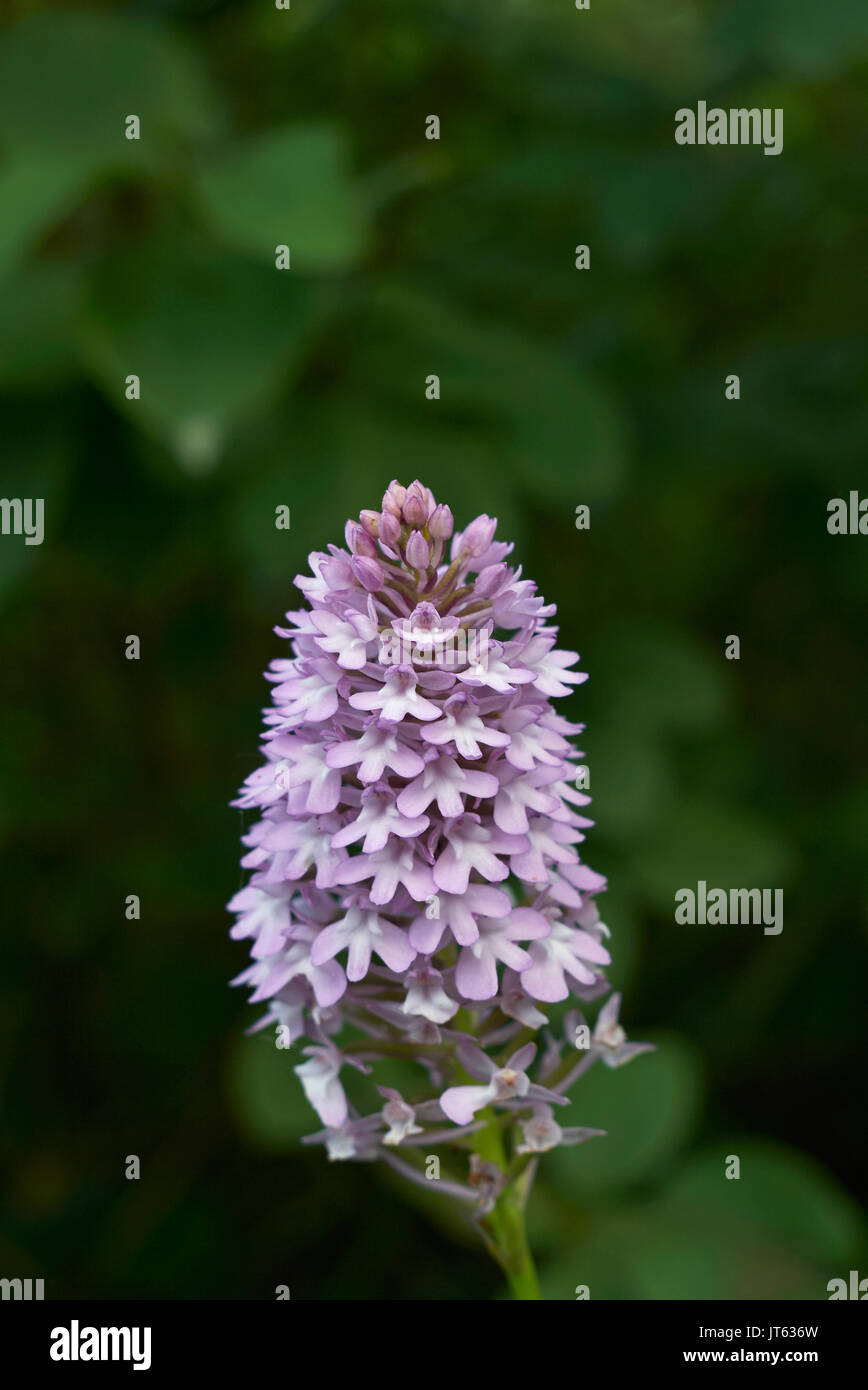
[416,890]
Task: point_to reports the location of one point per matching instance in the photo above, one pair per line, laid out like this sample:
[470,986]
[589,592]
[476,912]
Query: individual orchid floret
[427,996]
[398,1116]
[397,698]
[414,844]
[320,1078]
[507,1083]
[609,1040]
[354,1139]
[476,973]
[348,638]
[541,1133]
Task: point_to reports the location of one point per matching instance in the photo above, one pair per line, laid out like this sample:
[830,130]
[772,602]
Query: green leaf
[212,338]
[650,203]
[644,1251]
[68,80]
[37,326]
[627,1254]
[35,192]
[780,1191]
[649,1110]
[288,187]
[266,1096]
[796,37]
[781,1230]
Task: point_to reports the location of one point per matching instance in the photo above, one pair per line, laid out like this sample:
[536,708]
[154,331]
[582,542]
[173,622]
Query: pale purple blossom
[399,1117]
[416,884]
[541,1133]
[609,1041]
[397,697]
[319,1076]
[508,1083]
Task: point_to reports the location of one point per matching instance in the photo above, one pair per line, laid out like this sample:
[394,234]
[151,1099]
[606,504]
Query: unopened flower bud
[417,552]
[425,493]
[390,529]
[415,509]
[371,522]
[441,524]
[413,512]
[393,498]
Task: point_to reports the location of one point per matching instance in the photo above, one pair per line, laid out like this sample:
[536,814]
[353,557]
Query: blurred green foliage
[305,388]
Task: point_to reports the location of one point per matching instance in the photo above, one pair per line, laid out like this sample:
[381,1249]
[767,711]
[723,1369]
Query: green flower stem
[504,1227]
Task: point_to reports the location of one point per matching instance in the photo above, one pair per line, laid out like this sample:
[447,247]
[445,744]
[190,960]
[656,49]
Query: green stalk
[504,1227]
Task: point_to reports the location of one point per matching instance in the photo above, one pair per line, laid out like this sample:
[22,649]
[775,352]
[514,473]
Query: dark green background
[306,388]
